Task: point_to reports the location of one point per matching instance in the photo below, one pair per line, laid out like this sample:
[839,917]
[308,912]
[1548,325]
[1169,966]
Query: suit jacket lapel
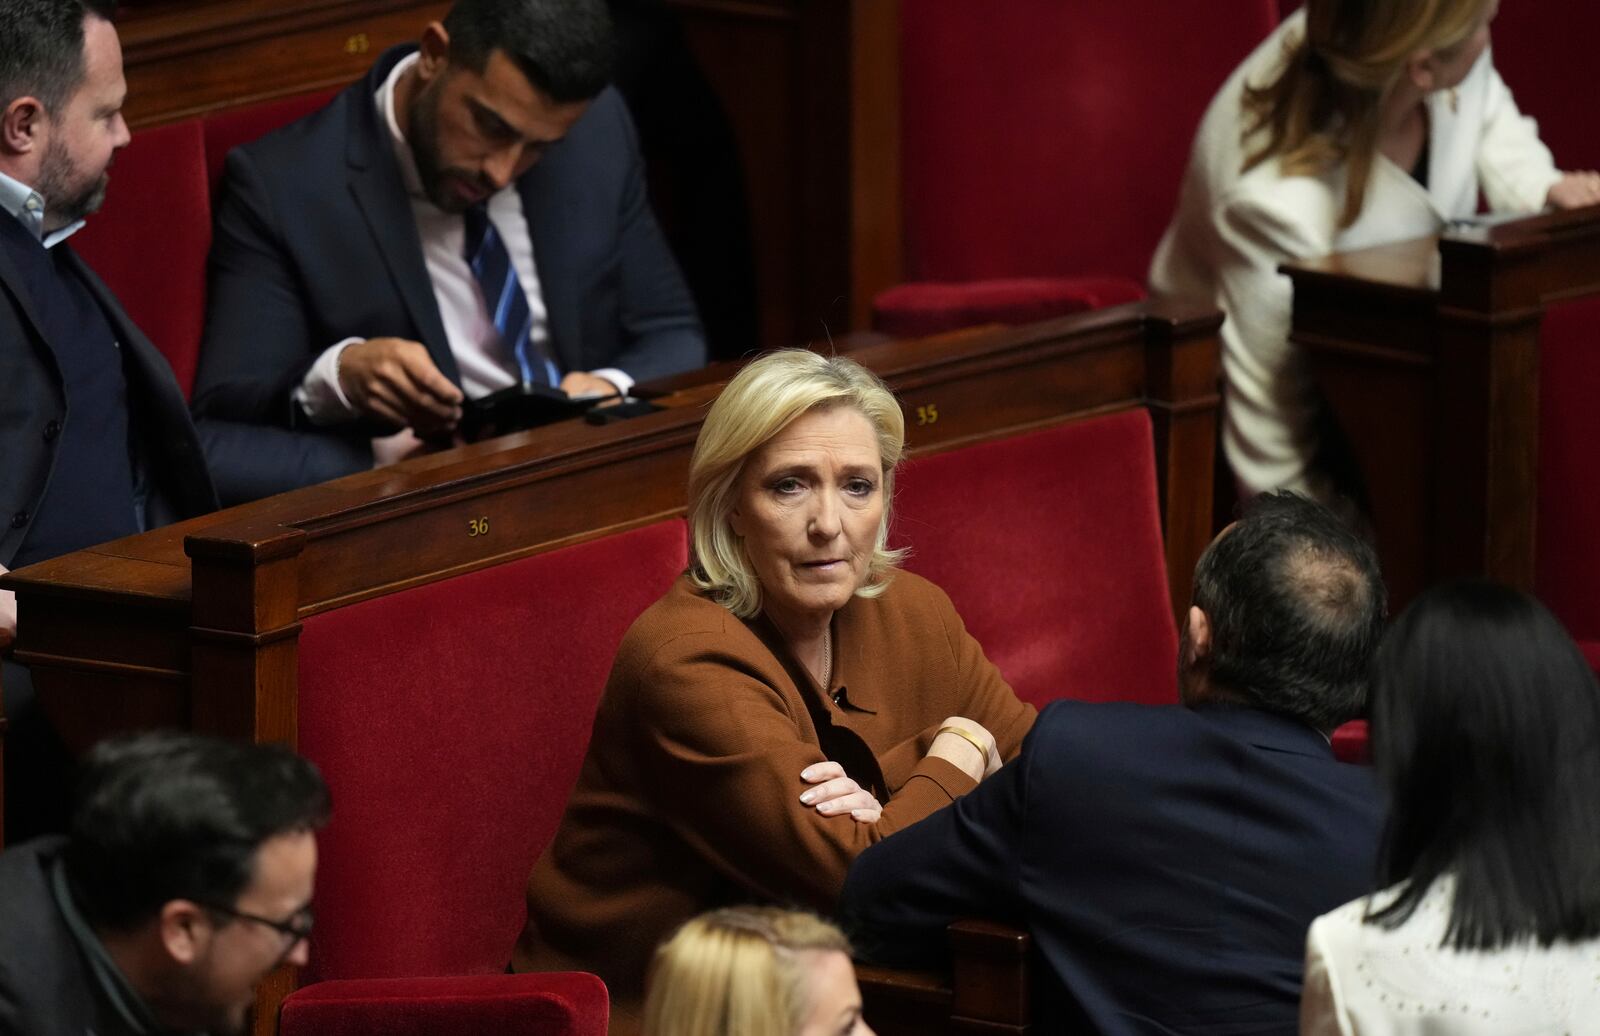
[11,280]
[547,231]
[154,401]
[380,194]
[154,370]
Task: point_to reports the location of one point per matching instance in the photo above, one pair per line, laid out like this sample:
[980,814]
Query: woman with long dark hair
[1486,734]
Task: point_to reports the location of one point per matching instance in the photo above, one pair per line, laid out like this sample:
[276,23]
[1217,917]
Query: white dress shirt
[486,363]
[27,205]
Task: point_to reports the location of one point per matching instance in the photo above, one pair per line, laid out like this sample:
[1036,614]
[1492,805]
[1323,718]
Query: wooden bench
[1462,370]
[258,621]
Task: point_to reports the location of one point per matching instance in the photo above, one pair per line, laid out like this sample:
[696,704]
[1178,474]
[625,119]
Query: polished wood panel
[811,88]
[197,621]
[183,58]
[987,988]
[1428,354]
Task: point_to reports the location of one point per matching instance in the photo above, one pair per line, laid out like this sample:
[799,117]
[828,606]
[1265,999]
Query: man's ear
[1199,633]
[185,930]
[21,124]
[435,57]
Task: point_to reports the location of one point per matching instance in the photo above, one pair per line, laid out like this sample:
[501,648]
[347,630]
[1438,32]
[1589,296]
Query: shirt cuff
[623,382]
[319,394]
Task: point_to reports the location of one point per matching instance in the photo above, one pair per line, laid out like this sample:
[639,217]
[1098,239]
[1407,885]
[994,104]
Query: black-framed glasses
[296,928]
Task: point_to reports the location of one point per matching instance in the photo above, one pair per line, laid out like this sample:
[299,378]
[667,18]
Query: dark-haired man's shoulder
[45,988]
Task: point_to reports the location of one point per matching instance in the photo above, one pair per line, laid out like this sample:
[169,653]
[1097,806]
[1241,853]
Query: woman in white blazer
[1356,123]
[1486,724]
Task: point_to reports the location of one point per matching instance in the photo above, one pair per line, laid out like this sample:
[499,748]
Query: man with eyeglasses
[185,879]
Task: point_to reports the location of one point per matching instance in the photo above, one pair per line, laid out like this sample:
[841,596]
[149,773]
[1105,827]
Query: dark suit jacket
[315,243]
[46,987]
[33,396]
[1166,860]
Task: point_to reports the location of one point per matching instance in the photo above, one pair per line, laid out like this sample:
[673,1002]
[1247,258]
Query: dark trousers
[39,771]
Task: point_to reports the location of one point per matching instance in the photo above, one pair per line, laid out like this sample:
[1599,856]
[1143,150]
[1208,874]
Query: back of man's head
[564,47]
[166,816]
[1295,606]
[42,53]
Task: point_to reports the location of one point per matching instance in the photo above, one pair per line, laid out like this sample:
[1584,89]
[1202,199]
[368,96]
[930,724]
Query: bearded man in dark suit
[95,437]
[470,215]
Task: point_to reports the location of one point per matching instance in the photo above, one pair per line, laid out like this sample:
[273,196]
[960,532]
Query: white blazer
[1232,229]
[1364,979]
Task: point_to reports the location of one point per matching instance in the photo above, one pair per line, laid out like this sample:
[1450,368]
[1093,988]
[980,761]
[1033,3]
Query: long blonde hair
[736,972]
[760,401]
[1324,105]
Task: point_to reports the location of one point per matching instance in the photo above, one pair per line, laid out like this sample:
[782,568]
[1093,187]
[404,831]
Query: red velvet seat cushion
[226,130]
[1045,138]
[551,1004]
[1568,525]
[1049,544]
[1351,742]
[149,241]
[910,310]
[450,721]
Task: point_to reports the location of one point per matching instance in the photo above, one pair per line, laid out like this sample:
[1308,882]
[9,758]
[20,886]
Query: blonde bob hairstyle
[1325,104]
[738,971]
[761,401]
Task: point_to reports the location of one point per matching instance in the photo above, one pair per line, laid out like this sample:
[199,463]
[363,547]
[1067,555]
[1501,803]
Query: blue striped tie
[504,298]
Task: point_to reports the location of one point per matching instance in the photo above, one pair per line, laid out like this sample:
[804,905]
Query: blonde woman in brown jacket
[791,700]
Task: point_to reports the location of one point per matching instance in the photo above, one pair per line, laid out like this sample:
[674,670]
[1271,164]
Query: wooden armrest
[989,972]
[900,1002]
[985,991]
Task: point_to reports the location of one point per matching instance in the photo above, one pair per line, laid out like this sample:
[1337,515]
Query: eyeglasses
[296,928]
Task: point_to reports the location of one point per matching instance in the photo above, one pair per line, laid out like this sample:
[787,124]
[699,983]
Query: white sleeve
[621,379]
[1515,169]
[1322,1011]
[319,394]
[1268,428]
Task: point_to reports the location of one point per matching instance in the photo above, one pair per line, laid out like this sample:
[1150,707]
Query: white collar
[27,205]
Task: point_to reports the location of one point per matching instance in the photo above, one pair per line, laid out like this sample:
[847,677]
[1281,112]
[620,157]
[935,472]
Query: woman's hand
[1575,190]
[975,761]
[835,793]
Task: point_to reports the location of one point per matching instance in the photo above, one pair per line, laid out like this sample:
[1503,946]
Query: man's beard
[436,181]
[64,202]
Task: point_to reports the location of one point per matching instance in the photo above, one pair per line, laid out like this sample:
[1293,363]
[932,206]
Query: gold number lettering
[928,414]
[357,44]
[478,526]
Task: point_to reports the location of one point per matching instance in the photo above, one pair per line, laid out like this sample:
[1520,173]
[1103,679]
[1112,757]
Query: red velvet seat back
[450,721]
[1048,137]
[555,1004]
[1540,50]
[1568,524]
[226,130]
[149,241]
[1049,544]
